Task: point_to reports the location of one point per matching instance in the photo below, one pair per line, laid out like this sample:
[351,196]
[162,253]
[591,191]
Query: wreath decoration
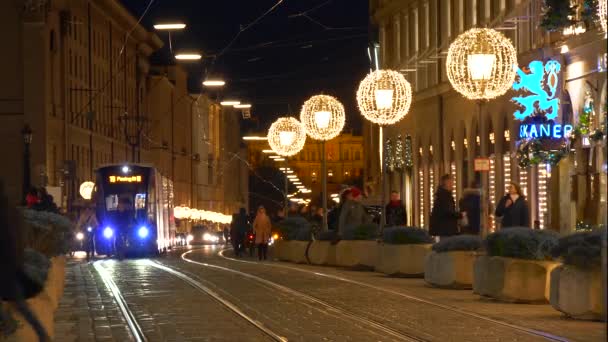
[540,150]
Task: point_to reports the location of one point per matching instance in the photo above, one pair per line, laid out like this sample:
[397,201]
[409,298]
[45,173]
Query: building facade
[449,132]
[345,163]
[78,74]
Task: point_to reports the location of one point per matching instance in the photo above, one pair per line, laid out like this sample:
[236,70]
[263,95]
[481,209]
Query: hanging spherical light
[323,117]
[384,97]
[286,136]
[481,64]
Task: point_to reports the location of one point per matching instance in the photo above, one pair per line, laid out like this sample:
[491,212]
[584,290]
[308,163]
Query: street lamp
[286,137]
[384,97]
[323,117]
[481,65]
[26,132]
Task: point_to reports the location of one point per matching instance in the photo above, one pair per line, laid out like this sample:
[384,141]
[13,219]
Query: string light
[602,13]
[323,117]
[492,192]
[480,64]
[409,154]
[185,213]
[399,159]
[455,182]
[507,135]
[421,192]
[431,186]
[286,136]
[384,97]
[523,181]
[506,160]
[542,194]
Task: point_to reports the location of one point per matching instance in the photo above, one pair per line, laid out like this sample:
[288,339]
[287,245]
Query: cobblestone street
[206,295]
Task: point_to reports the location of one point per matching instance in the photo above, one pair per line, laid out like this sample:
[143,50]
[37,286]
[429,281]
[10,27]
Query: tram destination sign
[124,179]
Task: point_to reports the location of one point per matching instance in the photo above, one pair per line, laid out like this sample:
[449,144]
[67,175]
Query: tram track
[134,327]
[528,331]
[333,309]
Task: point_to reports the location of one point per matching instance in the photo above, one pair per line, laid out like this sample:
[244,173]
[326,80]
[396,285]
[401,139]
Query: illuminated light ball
[481,64]
[86,190]
[384,97]
[286,136]
[323,117]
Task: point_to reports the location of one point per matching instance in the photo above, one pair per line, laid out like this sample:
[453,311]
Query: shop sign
[482,164]
[544,130]
[541,82]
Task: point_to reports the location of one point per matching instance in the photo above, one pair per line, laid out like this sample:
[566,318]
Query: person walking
[513,208]
[352,213]
[444,217]
[395,211]
[470,209]
[263,230]
[238,231]
[87,224]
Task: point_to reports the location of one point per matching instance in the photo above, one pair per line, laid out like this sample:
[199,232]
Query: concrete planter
[578,292]
[361,254]
[322,253]
[44,304]
[450,269]
[403,260]
[513,280]
[293,251]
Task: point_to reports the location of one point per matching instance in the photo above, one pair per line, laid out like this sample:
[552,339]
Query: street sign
[482,164]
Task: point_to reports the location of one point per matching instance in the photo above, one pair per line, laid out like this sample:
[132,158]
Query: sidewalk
[87,311]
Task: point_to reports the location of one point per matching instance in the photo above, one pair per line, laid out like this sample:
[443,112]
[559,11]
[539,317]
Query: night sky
[280,61]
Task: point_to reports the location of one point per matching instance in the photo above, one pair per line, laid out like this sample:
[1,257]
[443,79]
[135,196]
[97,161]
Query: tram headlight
[143,232]
[89,229]
[79,236]
[108,232]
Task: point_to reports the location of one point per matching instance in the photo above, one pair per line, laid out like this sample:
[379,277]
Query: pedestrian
[333,217]
[226,233]
[444,217]
[317,218]
[470,209]
[352,213]
[87,224]
[513,208]
[238,231]
[32,199]
[395,211]
[263,230]
[46,201]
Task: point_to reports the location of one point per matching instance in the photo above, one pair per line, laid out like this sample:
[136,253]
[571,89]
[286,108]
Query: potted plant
[358,247]
[296,235]
[517,265]
[576,285]
[403,251]
[322,251]
[450,265]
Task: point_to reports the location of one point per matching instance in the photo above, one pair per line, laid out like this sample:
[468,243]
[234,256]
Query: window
[357,155]
[112,202]
[52,41]
[397,40]
[473,12]
[448,18]
[405,46]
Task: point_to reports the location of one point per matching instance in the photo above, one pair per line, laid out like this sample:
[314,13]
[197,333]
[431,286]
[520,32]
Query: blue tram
[134,205]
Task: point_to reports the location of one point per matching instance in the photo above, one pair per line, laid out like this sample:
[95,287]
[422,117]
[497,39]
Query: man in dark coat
[444,217]
[395,211]
[513,208]
[238,231]
[470,207]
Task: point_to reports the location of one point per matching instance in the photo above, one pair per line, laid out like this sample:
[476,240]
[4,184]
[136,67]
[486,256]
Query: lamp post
[384,98]
[26,132]
[286,137]
[481,66]
[323,117]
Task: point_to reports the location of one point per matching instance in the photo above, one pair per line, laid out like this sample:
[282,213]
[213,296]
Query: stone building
[414,37]
[78,74]
[345,159]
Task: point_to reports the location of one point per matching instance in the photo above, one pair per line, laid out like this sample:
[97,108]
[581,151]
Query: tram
[134,205]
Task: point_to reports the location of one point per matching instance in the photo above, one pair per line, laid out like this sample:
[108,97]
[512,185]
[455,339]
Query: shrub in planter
[295,228]
[366,231]
[406,236]
[522,243]
[517,266]
[403,251]
[47,232]
[450,265]
[576,286]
